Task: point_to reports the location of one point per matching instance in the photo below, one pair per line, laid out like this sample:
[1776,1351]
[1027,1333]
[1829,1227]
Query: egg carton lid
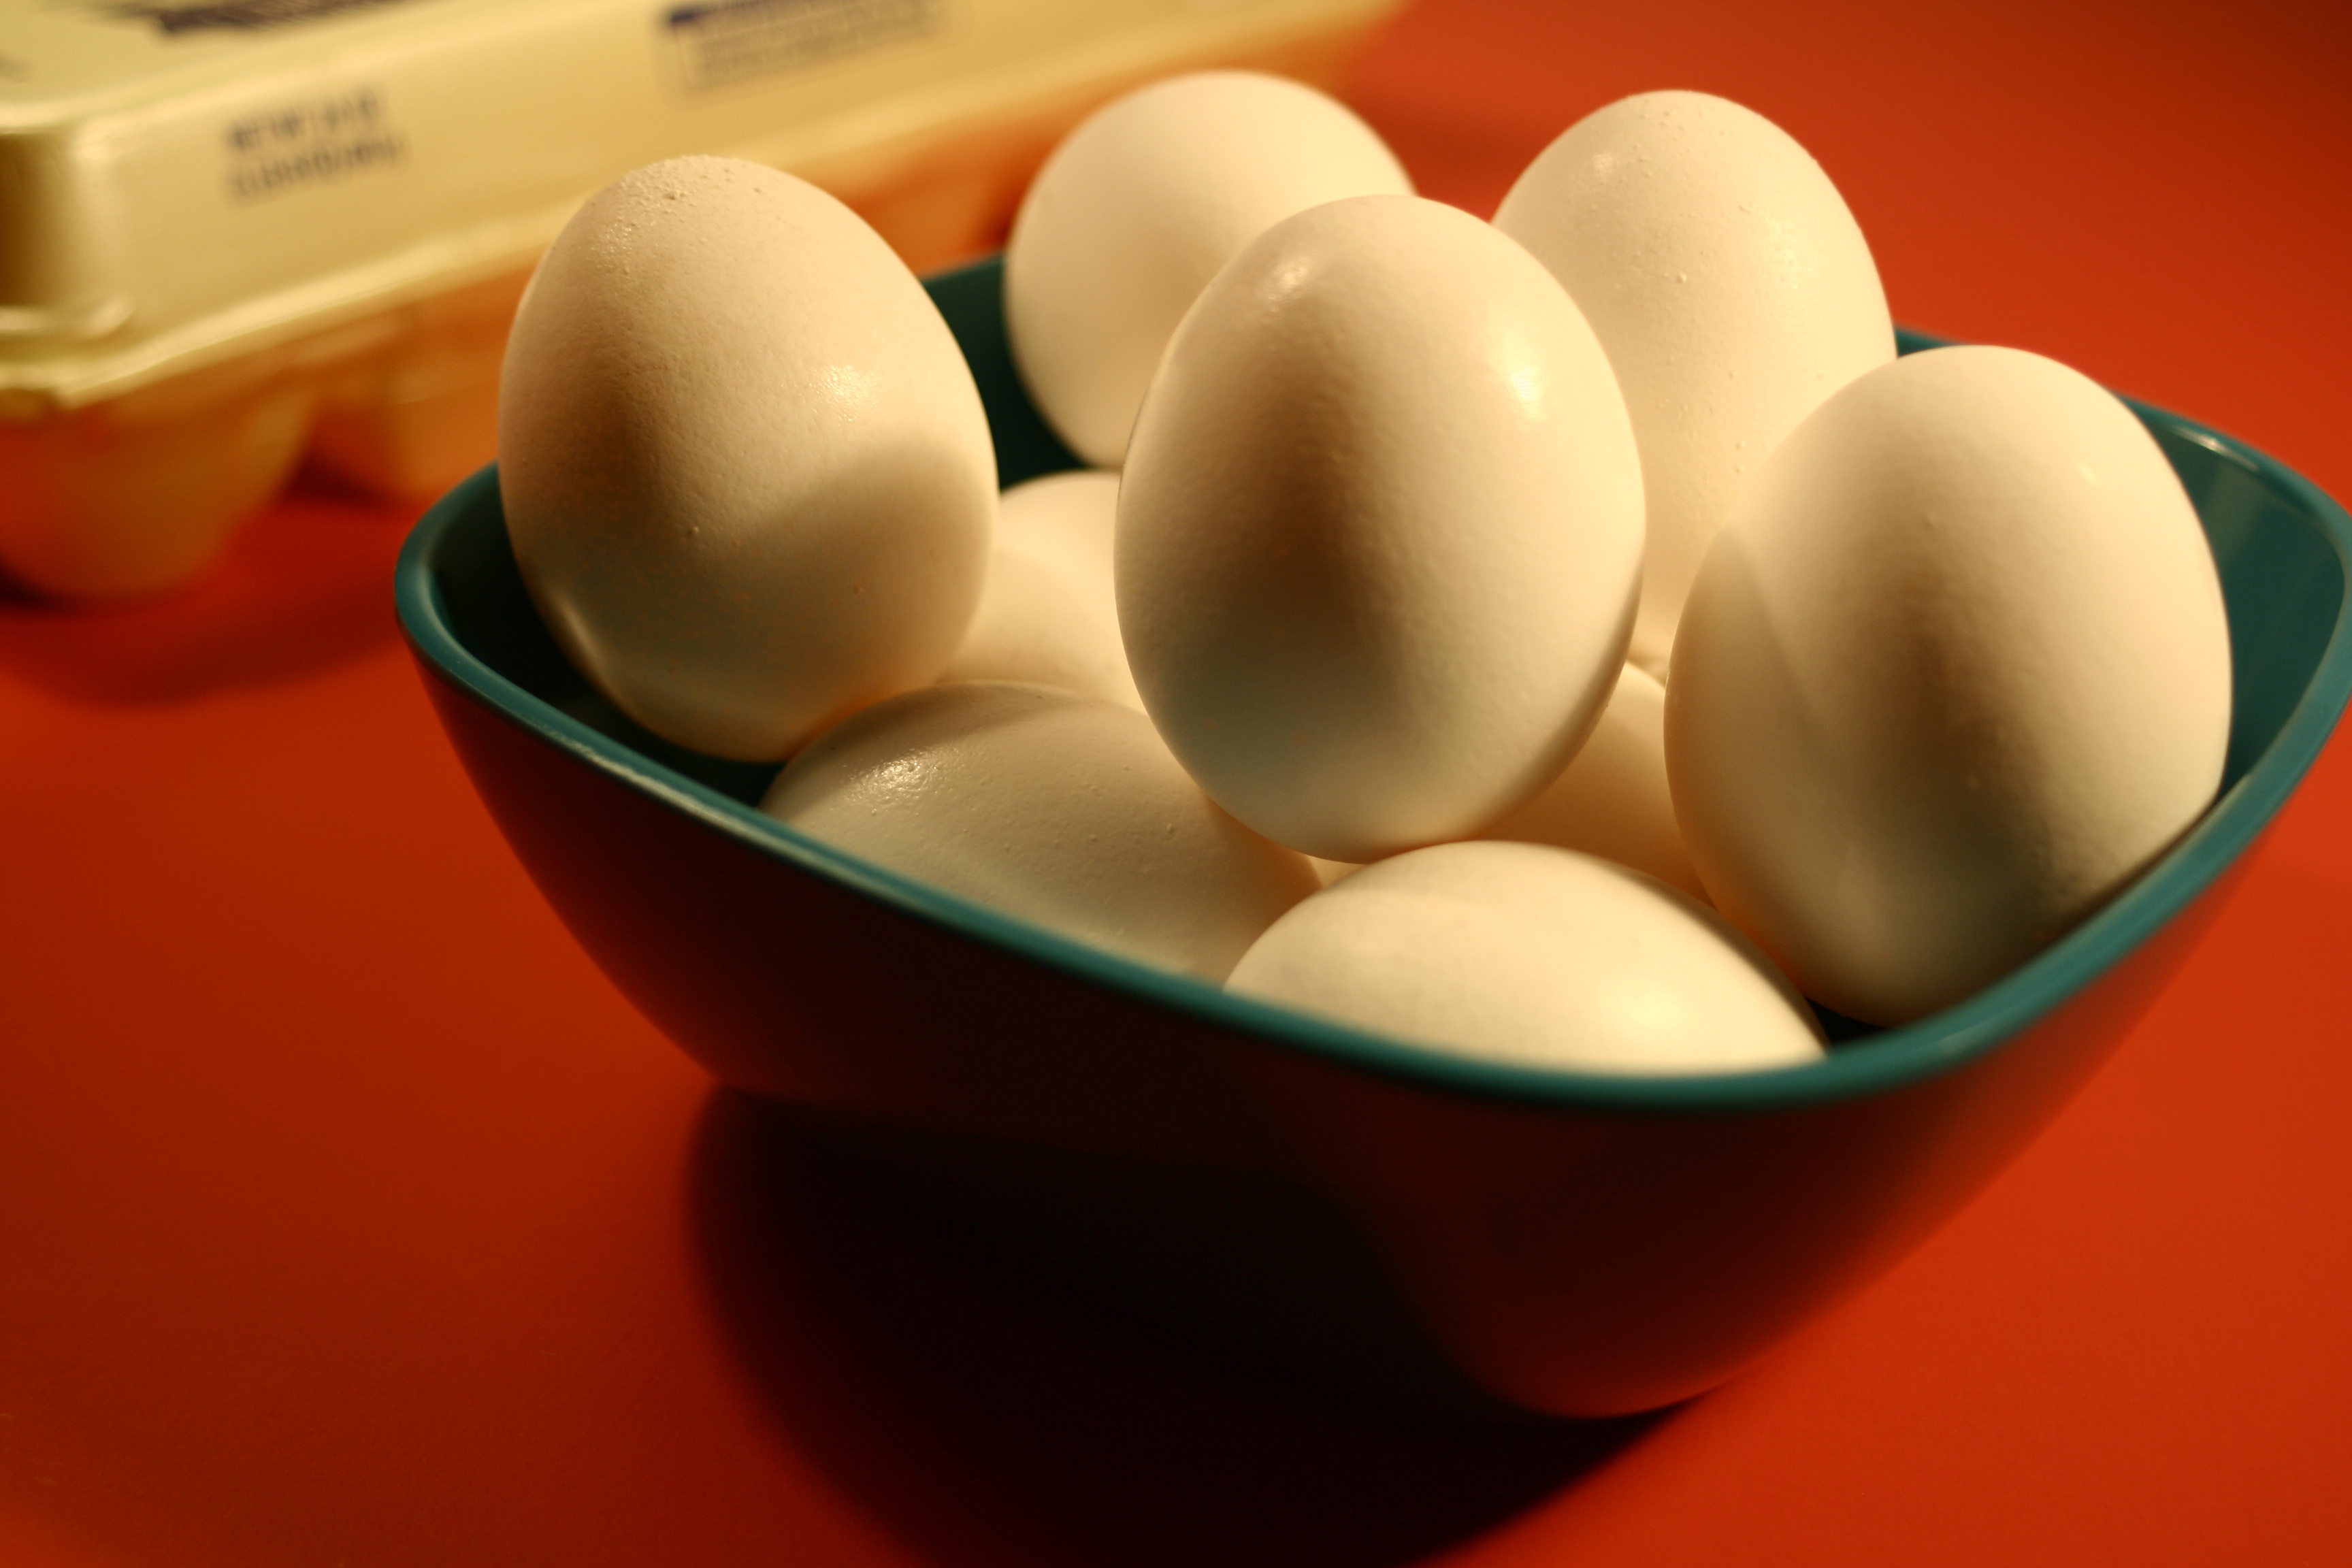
[185,181]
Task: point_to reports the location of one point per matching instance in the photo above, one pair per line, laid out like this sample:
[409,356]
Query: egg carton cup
[1464,1235]
[236,235]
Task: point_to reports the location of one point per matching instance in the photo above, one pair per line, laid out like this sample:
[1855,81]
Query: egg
[1531,956]
[1137,209]
[1380,530]
[1047,612]
[1613,799]
[1056,808]
[745,470]
[1729,284]
[1957,670]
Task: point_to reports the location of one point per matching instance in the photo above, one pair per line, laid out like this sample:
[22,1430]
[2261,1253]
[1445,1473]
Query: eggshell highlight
[1056,808]
[1955,673]
[1379,532]
[1137,210]
[745,470]
[1730,285]
[1532,955]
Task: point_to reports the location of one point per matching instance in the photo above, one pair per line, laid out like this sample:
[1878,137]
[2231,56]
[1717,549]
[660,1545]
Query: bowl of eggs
[1435,869]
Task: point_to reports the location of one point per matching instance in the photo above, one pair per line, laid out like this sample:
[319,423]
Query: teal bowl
[1477,1234]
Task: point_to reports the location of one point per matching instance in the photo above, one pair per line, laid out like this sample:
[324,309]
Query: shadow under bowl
[1468,1234]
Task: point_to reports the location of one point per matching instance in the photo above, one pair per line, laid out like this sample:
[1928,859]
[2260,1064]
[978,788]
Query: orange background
[348,1217]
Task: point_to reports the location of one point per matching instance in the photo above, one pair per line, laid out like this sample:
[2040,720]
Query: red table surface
[347,1215]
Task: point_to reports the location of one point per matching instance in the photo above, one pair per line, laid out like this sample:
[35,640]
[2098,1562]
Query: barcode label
[728,41]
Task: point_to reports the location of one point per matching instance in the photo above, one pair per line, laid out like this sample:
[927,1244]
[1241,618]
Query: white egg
[1136,211]
[1379,532]
[1059,809]
[1731,287]
[1613,799]
[745,472]
[1528,954]
[1957,670]
[1048,614]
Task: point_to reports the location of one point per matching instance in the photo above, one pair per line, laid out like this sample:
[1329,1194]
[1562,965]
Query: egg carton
[236,232]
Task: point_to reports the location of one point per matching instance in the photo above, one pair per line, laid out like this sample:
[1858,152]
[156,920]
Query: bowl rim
[1890,1059]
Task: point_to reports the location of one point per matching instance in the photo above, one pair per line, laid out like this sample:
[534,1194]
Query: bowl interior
[2282,546]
